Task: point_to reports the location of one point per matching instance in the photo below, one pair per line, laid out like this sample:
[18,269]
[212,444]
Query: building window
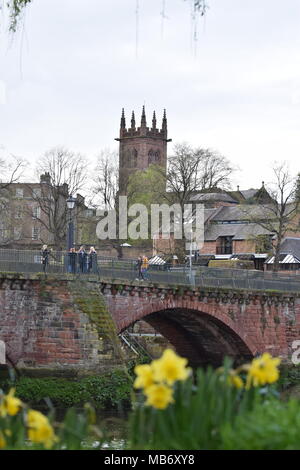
[151,157]
[36,193]
[4,234]
[36,212]
[35,233]
[89,212]
[224,246]
[19,192]
[17,233]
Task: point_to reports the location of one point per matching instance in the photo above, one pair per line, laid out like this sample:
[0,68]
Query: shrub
[109,390]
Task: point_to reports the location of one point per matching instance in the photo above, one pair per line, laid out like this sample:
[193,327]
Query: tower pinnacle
[164,121]
[132,121]
[143,120]
[123,121]
[154,121]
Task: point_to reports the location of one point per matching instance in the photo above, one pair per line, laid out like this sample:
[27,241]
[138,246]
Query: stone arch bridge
[62,324]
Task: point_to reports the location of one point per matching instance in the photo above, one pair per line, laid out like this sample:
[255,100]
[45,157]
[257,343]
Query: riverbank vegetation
[111,390]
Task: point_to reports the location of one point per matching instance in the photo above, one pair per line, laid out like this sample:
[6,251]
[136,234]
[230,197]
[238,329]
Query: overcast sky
[67,74]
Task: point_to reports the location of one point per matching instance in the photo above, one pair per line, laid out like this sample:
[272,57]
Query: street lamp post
[70,234]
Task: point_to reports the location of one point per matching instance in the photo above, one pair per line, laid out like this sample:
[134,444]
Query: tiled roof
[237,231]
[249,193]
[291,245]
[203,197]
[241,212]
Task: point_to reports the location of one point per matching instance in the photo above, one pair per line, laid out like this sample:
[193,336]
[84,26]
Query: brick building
[25,221]
[230,231]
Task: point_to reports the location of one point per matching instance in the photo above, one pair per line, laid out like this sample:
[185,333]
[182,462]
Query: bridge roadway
[22,261]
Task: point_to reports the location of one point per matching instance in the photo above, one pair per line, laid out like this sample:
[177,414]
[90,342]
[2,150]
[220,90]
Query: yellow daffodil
[144,376]
[39,429]
[235,380]
[10,404]
[263,370]
[170,368]
[159,396]
[2,441]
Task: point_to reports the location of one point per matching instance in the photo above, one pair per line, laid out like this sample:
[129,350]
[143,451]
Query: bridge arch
[201,337]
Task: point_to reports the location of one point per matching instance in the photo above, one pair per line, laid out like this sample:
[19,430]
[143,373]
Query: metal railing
[22,261]
[134,344]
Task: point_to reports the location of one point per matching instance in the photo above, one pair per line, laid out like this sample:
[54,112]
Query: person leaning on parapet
[72,255]
[92,261]
[82,257]
[45,257]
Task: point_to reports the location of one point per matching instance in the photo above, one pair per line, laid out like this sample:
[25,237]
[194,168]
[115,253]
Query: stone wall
[70,327]
[45,324]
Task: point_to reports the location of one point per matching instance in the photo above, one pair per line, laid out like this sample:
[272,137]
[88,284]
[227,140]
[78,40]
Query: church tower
[141,147]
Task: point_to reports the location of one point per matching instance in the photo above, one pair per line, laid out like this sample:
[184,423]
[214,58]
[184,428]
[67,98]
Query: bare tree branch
[64,173]
[279,216]
[105,181]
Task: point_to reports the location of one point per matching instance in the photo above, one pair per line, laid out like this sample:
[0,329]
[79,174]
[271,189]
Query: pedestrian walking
[45,257]
[72,258]
[145,267]
[82,260]
[92,261]
[139,268]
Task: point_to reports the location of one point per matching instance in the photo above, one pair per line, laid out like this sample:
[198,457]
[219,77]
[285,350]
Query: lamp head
[71,202]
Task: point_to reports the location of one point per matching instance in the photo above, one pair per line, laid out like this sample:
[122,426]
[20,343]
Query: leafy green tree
[146,186]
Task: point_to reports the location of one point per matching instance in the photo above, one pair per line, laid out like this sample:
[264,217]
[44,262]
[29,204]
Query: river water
[112,423]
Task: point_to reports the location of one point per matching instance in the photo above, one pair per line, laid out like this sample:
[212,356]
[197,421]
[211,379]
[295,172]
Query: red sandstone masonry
[247,318]
[42,327]
[49,331]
